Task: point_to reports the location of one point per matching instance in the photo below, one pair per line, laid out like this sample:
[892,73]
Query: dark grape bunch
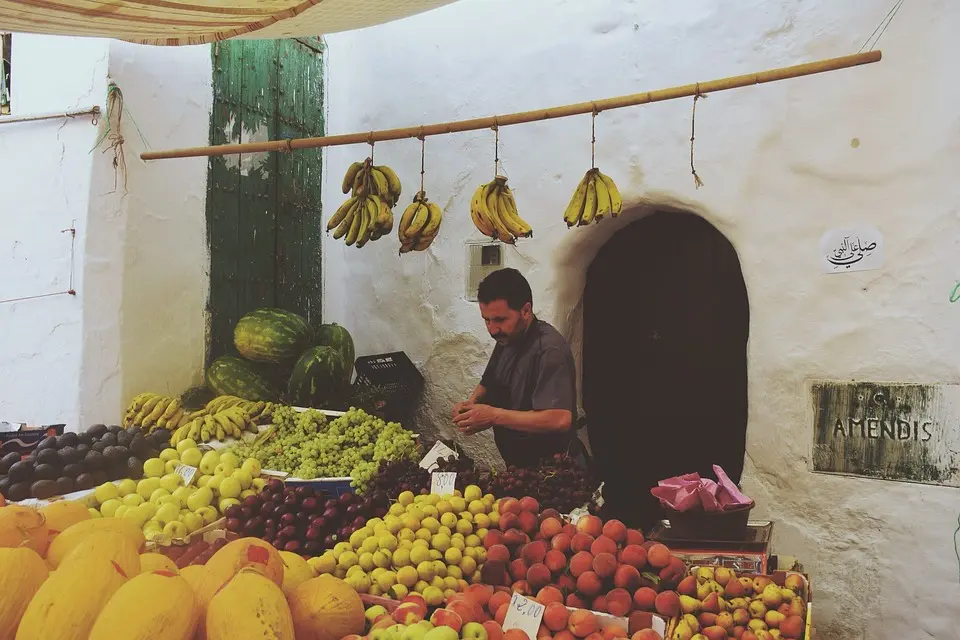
[302,520]
[467,472]
[395,477]
[557,483]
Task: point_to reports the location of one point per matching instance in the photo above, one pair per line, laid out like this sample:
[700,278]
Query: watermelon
[333,335]
[232,376]
[272,335]
[318,379]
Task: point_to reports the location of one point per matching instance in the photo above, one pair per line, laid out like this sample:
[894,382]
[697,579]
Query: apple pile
[716,604]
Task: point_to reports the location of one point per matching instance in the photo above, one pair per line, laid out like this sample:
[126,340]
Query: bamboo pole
[89,111]
[712,86]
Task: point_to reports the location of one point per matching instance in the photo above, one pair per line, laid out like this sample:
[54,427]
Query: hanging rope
[423,152]
[693,134]
[113,133]
[882,27]
[593,137]
[496,147]
[70,291]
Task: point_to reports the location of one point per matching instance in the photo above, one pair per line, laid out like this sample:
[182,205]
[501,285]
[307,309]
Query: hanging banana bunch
[494,212]
[419,224]
[368,213]
[595,197]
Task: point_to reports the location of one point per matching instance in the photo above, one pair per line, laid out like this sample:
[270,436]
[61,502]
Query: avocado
[160,438]
[10,459]
[99,446]
[117,470]
[94,460]
[66,485]
[114,428]
[133,431]
[70,455]
[43,489]
[82,449]
[86,481]
[49,456]
[72,470]
[86,438]
[21,471]
[69,439]
[108,440]
[97,430]
[134,468]
[4,467]
[5,485]
[116,454]
[46,472]
[19,491]
[123,439]
[49,442]
[99,477]
[139,446]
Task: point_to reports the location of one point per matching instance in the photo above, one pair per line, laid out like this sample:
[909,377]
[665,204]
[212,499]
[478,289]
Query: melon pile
[69,576]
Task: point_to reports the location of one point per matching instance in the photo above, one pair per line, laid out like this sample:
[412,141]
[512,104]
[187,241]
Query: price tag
[186,472]
[524,614]
[442,482]
[439,450]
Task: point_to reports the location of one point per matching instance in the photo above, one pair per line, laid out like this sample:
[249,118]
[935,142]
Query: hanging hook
[693,129]
[423,153]
[496,146]
[593,136]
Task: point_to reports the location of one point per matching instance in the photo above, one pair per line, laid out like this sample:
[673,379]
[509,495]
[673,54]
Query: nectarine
[615,530]
[605,565]
[667,603]
[582,623]
[591,525]
[659,556]
[581,562]
[555,616]
[619,602]
[589,584]
[581,542]
[645,599]
[627,577]
[549,594]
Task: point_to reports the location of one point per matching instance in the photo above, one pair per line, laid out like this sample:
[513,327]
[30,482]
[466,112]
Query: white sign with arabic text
[846,250]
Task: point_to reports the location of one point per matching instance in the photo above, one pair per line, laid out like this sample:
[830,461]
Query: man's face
[504,324]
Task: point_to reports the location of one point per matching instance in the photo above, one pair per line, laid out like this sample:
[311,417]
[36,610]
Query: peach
[509,521]
[619,602]
[627,577]
[493,538]
[575,601]
[409,613]
[605,565]
[447,618]
[591,525]
[522,587]
[634,555]
[494,631]
[646,634]
[515,538]
[570,529]
[497,600]
[792,627]
[543,633]
[534,552]
[515,634]
[556,561]
[498,553]
[566,583]
[638,621]
[501,614]
[599,604]
[462,608]
[635,537]
[581,542]
[589,584]
[479,594]
[563,635]
[667,603]
[645,599]
[596,635]
[610,632]
[647,544]
[518,569]
[529,504]
[551,513]
[493,573]
[659,556]
[538,575]
[549,594]
[561,542]
[615,530]
[581,562]
[582,623]
[714,633]
[509,505]
[551,527]
[603,544]
[528,522]
[480,613]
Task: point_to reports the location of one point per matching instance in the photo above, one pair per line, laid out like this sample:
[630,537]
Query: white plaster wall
[780,169]
[147,244]
[45,172]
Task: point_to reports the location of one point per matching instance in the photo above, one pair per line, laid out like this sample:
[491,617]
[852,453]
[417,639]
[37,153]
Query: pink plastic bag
[690,491]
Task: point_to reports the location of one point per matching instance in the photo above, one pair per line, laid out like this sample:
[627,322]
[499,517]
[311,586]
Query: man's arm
[544,421]
[477,394]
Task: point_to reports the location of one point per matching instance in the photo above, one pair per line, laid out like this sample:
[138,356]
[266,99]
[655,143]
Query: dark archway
[665,326]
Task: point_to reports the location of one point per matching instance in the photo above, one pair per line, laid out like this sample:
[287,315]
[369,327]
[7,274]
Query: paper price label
[186,472]
[439,450]
[443,482]
[524,614]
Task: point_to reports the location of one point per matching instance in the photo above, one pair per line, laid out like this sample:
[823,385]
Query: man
[528,392]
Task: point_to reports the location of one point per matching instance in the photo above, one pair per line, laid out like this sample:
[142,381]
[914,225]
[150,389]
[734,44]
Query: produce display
[335,336]
[151,412]
[494,212]
[232,376]
[223,417]
[595,197]
[368,213]
[319,378]
[425,544]
[74,461]
[419,224]
[557,483]
[307,446]
[272,335]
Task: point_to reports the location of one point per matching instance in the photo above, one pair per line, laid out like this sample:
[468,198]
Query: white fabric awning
[180,22]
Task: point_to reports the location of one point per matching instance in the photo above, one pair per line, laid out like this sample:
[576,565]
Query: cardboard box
[22,438]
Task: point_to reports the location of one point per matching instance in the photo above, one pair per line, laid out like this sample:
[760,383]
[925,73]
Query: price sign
[524,614]
[442,482]
[439,450]
[186,472]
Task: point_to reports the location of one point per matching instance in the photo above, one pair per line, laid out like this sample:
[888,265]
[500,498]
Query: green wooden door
[263,210]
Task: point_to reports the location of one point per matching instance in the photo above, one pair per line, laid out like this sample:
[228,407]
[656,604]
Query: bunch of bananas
[494,212]
[151,411]
[596,196]
[222,417]
[419,224]
[368,213]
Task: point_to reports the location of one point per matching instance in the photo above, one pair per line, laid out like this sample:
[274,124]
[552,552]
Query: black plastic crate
[400,380]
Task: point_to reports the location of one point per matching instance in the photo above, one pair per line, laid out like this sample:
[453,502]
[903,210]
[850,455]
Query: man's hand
[460,407]
[476,418]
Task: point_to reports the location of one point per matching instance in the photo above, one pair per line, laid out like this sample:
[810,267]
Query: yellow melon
[23,527]
[23,571]
[157,562]
[249,606]
[247,552]
[295,571]
[62,514]
[326,608]
[205,586]
[71,536]
[109,545]
[68,603]
[158,605]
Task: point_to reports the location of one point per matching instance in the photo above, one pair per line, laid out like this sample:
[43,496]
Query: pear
[773,619]
[704,574]
[711,604]
[682,632]
[756,625]
[772,597]
[757,610]
[747,585]
[688,587]
[692,622]
[724,576]
[690,605]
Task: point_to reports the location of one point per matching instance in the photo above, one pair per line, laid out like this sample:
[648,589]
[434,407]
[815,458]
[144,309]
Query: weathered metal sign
[907,432]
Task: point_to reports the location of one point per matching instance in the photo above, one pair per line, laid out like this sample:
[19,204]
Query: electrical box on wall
[483,258]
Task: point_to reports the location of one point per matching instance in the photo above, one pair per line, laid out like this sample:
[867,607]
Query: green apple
[136,516]
[106,491]
[159,493]
[252,466]
[185,444]
[109,508]
[473,631]
[171,481]
[226,503]
[183,493]
[153,468]
[258,484]
[192,521]
[152,527]
[171,465]
[225,469]
[414,632]
[214,483]
[169,454]
[395,632]
[247,492]
[209,462]
[201,480]
[171,499]
[243,477]
[374,612]
[175,529]
[119,511]
[378,634]
[209,514]
[230,488]
[94,513]
[191,457]
[230,458]
[167,513]
[132,500]
[148,509]
[202,497]
[147,486]
[441,633]
[126,487]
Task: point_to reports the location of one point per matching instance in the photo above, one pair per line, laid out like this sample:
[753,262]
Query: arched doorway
[665,326]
